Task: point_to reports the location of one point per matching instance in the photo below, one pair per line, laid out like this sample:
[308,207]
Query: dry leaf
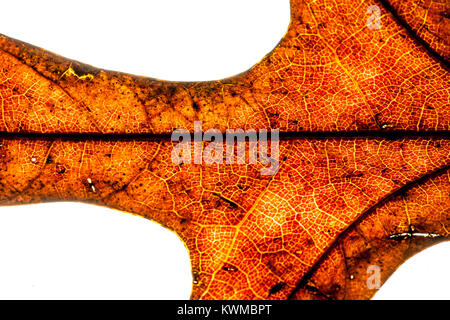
[360,94]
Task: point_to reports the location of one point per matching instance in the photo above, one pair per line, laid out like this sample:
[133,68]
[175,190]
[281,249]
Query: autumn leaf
[360,94]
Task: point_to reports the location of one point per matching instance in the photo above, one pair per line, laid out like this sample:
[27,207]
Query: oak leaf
[363,180]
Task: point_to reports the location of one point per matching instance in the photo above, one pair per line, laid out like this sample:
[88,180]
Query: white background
[70,250]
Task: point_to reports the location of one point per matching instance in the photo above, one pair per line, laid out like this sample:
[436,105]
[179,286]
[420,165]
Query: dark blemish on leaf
[60,169]
[356,174]
[386,125]
[277,240]
[445,14]
[195,277]
[276,288]
[195,106]
[232,204]
[229,267]
[309,242]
